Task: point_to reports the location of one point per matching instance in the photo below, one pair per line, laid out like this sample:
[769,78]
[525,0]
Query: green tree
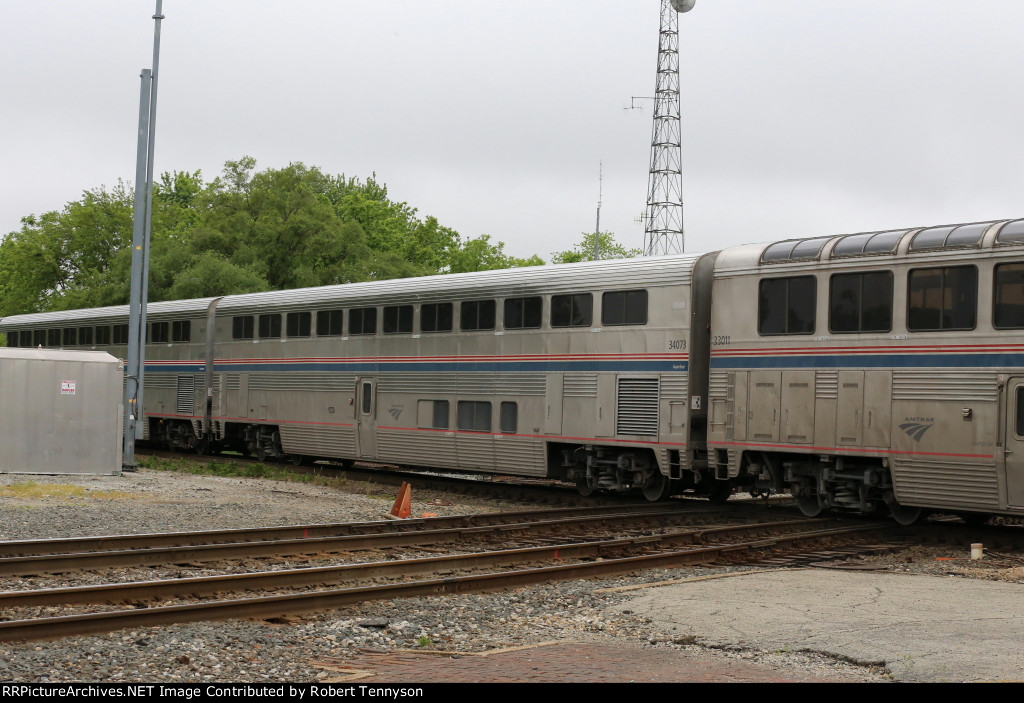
[584,250]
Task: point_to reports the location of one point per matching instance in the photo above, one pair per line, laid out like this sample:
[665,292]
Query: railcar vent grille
[826,384]
[638,407]
[232,381]
[161,380]
[673,387]
[954,385]
[519,384]
[433,383]
[580,385]
[186,395]
[718,383]
[299,381]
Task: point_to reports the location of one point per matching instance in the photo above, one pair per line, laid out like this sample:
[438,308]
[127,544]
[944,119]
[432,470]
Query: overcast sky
[800,117]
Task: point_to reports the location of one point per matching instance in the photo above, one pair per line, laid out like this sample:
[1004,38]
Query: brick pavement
[554,662]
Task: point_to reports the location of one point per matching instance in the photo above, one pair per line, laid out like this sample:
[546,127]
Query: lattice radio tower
[663,221]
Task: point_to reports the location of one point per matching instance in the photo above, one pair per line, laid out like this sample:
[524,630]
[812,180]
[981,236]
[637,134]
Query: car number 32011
[677,344]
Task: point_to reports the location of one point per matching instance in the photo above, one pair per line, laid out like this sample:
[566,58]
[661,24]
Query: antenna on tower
[663,230]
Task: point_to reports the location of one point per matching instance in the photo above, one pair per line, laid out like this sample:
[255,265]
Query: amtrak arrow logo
[916,430]
[395,411]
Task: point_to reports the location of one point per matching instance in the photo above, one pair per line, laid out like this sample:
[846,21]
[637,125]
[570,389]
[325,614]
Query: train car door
[366,416]
[1014,445]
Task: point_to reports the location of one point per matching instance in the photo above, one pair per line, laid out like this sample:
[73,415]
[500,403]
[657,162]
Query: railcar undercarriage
[826,482]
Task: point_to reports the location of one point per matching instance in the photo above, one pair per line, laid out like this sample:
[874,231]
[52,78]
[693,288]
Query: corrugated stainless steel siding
[318,440]
[957,484]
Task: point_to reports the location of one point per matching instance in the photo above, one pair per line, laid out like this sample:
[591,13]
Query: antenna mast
[663,221]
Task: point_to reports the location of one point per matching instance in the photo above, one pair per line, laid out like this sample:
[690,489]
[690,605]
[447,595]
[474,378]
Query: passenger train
[863,372]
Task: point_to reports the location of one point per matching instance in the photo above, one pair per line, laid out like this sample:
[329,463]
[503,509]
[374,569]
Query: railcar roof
[895,242]
[551,278]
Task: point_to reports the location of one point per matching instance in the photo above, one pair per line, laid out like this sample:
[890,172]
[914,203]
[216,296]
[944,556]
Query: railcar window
[242,327]
[53,338]
[432,414]
[70,337]
[786,305]
[860,302]
[270,326]
[942,299]
[367,397]
[362,321]
[523,313]
[102,335]
[1009,297]
[575,310]
[509,417]
[329,323]
[120,334]
[628,307]
[26,338]
[160,332]
[181,331]
[868,243]
[39,338]
[12,339]
[398,319]
[299,324]
[85,336]
[793,249]
[436,317]
[474,416]
[477,315]
[949,236]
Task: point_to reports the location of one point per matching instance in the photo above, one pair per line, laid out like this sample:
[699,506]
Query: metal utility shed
[60,412]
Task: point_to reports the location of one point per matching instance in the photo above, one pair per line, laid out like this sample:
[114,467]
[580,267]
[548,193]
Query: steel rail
[65,545]
[281,605]
[63,563]
[324,575]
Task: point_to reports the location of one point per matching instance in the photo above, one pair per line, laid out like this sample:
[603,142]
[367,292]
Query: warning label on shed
[67,387]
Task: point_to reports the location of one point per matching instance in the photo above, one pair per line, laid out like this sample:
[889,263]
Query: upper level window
[398,319]
[786,305]
[1009,296]
[860,302]
[477,315]
[53,338]
[85,336]
[942,298]
[160,332]
[12,339]
[329,323]
[102,335]
[38,338]
[26,338]
[362,321]
[523,313]
[627,307]
[436,317]
[576,310]
[70,337]
[181,331]
[242,327]
[120,334]
[299,324]
[270,326]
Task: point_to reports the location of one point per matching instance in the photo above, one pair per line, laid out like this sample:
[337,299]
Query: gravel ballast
[308,648]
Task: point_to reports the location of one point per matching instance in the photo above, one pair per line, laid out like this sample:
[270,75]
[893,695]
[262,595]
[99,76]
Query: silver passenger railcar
[873,370]
[594,373]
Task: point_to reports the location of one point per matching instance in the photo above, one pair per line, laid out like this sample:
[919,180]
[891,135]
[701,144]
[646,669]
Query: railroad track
[463,573]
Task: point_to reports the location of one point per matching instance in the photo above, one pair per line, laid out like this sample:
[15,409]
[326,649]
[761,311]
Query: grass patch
[62,491]
[231,469]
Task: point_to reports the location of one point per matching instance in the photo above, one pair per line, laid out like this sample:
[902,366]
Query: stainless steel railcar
[594,373]
[873,370]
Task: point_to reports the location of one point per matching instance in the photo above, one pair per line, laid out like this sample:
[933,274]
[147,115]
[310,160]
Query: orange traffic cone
[402,507]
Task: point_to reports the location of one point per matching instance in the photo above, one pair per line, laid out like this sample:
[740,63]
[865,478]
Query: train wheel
[810,506]
[584,488]
[300,460]
[906,515]
[721,492]
[658,488]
